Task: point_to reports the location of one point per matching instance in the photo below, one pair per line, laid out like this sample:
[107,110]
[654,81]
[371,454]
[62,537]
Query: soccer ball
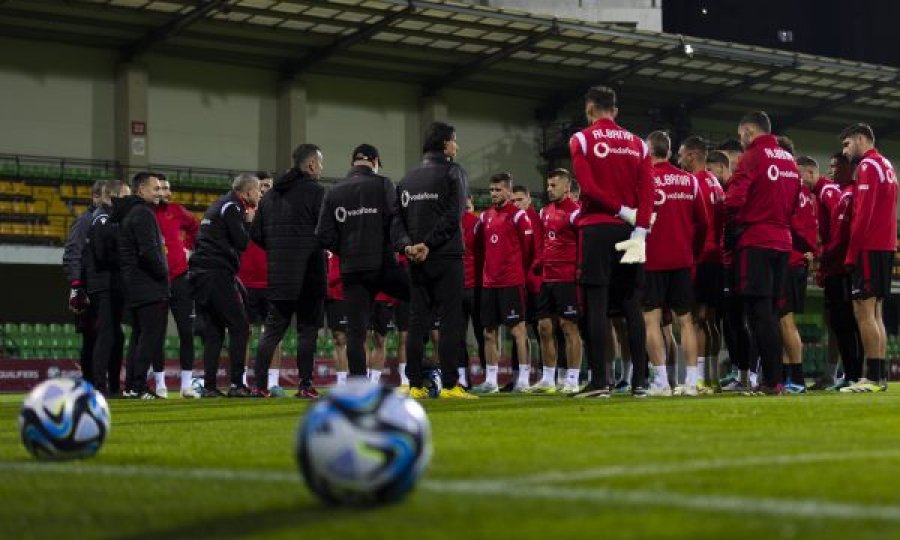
[197,384]
[363,443]
[64,419]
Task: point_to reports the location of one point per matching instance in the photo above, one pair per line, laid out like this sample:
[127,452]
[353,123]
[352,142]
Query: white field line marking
[512,487]
[638,469]
[804,508]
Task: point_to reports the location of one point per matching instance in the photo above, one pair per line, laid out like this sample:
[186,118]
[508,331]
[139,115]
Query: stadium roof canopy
[439,44]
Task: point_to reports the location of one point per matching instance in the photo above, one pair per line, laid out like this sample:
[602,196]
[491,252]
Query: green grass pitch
[818,466]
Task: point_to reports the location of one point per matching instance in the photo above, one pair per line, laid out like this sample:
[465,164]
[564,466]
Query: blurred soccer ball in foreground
[362,444]
[64,419]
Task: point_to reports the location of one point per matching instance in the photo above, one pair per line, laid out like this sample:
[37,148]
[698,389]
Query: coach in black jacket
[145,275]
[224,235]
[284,227]
[103,283]
[431,200]
[355,223]
[73,266]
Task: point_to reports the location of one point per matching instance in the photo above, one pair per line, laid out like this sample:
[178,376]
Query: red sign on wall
[138,128]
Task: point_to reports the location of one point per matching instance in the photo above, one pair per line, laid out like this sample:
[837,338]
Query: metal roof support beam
[461,72]
[701,102]
[827,105]
[551,107]
[178,24]
[295,68]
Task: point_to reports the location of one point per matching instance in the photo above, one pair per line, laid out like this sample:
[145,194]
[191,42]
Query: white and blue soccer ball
[363,443]
[197,384]
[64,419]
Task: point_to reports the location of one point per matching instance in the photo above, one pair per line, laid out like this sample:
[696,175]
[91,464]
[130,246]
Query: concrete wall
[210,115]
[56,100]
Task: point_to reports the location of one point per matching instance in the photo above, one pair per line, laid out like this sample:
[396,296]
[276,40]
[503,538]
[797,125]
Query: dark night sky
[864,30]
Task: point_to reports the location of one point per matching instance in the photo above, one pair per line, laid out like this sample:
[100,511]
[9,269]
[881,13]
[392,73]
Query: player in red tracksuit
[336,315]
[804,229]
[471,291]
[873,245]
[676,240]
[558,301]
[709,277]
[835,277]
[763,195]
[828,192]
[521,197]
[503,239]
[179,228]
[613,168]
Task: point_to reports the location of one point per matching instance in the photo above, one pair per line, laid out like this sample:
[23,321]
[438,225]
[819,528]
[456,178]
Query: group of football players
[627,246]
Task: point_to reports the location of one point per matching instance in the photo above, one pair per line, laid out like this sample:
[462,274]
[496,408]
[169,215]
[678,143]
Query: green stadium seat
[11,330]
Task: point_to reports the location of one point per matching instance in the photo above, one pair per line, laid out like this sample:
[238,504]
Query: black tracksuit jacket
[100,258]
[224,235]
[429,206]
[356,219]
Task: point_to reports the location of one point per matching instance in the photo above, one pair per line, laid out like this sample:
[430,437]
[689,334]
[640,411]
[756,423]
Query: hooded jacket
[284,227]
[142,258]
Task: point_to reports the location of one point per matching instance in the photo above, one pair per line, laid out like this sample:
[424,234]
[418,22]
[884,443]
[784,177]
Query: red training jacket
[472,279]
[254,269]
[827,194]
[503,237]
[679,233]
[713,197]
[804,227]
[763,195]
[335,290]
[533,280]
[834,251]
[560,241]
[874,225]
[613,169]
[174,219]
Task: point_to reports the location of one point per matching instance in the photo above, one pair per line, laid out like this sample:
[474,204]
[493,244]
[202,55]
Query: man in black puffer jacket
[145,275]
[103,283]
[284,227]
[221,299]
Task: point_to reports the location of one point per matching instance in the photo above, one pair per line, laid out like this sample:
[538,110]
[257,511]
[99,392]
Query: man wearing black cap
[428,228]
[355,224]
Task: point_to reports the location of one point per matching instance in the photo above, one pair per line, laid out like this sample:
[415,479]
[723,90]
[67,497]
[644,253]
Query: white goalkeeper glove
[628,215]
[635,248]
